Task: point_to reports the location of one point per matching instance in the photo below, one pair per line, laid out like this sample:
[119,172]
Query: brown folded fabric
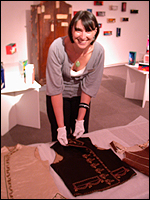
[138,160]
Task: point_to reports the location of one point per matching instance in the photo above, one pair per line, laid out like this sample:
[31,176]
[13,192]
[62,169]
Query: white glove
[79,128]
[62,136]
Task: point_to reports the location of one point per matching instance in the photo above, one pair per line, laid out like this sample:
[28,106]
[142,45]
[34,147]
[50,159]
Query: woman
[73,75]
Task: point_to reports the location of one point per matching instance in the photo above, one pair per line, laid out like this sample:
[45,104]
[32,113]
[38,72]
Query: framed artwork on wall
[123,7]
[132,57]
[90,10]
[118,32]
[113,7]
[124,19]
[111,20]
[134,11]
[100,13]
[100,25]
[107,33]
[98,3]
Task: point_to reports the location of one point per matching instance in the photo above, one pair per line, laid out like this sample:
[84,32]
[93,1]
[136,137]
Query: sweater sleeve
[54,79]
[91,83]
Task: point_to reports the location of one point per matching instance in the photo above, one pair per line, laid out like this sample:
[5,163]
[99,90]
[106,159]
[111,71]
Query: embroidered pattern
[105,175]
[7,173]
[98,175]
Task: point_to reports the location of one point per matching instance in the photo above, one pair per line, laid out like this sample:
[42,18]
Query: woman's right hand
[62,136]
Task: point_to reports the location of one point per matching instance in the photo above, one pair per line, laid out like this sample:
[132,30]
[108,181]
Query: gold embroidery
[86,183]
[120,172]
[7,173]
[98,170]
[89,160]
[105,175]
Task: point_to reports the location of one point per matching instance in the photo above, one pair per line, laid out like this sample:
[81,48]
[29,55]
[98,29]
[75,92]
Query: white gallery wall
[15,28]
[133,33]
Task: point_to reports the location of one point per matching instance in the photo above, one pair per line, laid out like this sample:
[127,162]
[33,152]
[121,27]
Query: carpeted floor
[108,109]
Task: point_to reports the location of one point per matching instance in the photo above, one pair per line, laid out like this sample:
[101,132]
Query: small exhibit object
[146,58]
[38,10]
[147,45]
[118,32]
[2,77]
[143,66]
[64,24]
[11,48]
[90,10]
[111,20]
[30,75]
[52,27]
[42,8]
[61,16]
[57,4]
[123,7]
[124,19]
[107,33]
[98,3]
[22,65]
[47,16]
[74,12]
[134,11]
[100,13]
[113,7]
[100,25]
[132,57]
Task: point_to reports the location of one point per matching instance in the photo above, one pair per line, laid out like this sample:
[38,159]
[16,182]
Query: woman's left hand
[79,129]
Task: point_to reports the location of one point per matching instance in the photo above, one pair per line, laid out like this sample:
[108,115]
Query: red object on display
[11,48]
[143,67]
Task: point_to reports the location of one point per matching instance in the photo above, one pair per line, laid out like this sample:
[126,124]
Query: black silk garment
[86,169]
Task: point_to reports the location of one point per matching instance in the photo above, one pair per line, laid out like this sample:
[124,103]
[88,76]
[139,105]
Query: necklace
[77,64]
[85,52]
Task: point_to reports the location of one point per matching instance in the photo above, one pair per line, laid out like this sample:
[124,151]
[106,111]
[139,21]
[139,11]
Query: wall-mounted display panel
[112,7]
[134,11]
[111,20]
[100,13]
[107,33]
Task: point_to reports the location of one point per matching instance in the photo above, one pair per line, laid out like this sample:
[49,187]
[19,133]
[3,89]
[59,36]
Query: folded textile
[136,156]
[86,169]
[24,175]
[138,160]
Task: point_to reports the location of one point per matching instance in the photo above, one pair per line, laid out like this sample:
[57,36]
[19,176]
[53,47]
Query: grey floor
[108,109]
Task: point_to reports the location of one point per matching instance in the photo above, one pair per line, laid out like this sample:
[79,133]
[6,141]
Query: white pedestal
[19,101]
[137,84]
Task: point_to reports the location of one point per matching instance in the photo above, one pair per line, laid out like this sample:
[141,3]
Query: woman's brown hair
[89,22]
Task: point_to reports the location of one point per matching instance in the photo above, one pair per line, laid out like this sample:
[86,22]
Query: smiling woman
[74,71]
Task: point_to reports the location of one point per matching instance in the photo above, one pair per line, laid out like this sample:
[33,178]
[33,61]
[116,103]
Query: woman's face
[81,37]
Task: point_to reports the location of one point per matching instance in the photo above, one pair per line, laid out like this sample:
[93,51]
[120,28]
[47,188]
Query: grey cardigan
[58,78]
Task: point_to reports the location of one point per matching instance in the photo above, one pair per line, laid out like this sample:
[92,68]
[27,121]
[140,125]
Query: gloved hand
[79,129]
[62,136]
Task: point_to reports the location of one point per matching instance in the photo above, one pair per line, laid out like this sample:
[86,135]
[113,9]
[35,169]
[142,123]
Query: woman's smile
[81,37]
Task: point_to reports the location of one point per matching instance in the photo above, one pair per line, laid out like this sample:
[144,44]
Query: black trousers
[70,109]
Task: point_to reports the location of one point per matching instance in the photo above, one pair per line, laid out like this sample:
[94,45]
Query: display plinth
[19,101]
[137,84]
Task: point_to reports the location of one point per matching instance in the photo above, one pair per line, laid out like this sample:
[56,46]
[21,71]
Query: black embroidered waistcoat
[86,169]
